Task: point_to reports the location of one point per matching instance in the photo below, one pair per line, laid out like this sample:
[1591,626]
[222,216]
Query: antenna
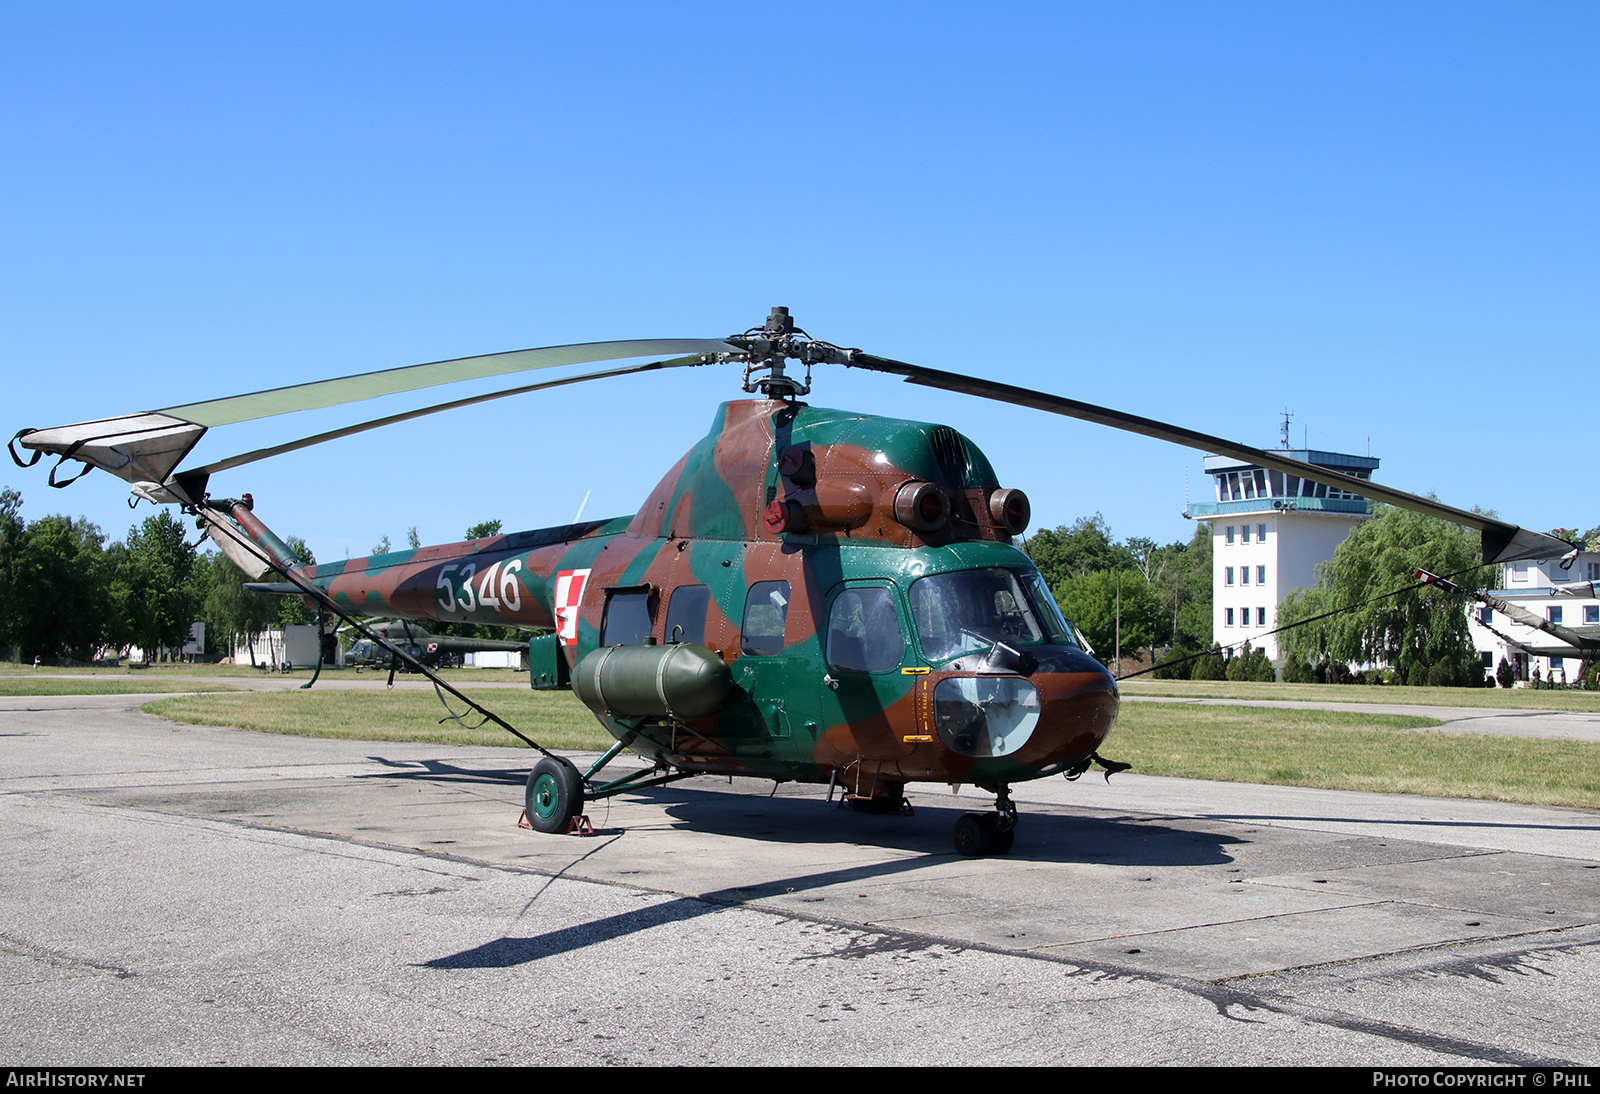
[1287,414]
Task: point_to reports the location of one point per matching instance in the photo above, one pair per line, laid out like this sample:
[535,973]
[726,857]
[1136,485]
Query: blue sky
[1380,216]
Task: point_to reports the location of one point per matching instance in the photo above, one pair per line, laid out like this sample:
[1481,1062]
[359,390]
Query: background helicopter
[809,594]
[420,644]
[426,647]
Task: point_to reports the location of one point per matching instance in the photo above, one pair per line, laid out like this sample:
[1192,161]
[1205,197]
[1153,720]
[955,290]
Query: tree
[1090,601]
[483,529]
[290,610]
[412,539]
[1297,670]
[1177,575]
[1506,674]
[152,586]
[1251,664]
[11,533]
[1182,578]
[1084,548]
[57,603]
[1411,631]
[232,610]
[1210,667]
[1175,665]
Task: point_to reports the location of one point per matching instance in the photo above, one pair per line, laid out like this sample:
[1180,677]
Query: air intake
[950,450]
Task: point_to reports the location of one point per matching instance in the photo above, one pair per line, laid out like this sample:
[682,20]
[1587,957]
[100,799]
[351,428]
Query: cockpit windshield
[971,610]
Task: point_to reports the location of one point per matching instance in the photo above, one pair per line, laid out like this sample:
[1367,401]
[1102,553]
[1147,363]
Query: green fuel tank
[683,680]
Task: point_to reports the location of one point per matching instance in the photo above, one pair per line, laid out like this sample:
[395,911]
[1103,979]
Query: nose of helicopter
[1057,715]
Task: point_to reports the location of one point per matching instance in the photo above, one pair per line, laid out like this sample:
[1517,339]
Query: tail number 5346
[497,588]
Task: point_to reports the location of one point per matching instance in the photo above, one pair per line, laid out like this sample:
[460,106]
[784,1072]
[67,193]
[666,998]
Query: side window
[627,619]
[864,632]
[766,610]
[686,614]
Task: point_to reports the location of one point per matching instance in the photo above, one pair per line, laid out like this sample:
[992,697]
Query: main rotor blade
[378,423]
[1502,542]
[147,447]
[369,385]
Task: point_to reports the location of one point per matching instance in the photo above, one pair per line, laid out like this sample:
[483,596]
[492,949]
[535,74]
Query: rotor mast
[768,346]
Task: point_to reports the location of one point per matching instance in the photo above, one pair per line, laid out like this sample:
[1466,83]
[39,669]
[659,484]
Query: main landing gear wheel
[555,794]
[973,832]
[988,833]
[982,834]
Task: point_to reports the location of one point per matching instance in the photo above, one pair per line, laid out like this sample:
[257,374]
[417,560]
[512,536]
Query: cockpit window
[973,609]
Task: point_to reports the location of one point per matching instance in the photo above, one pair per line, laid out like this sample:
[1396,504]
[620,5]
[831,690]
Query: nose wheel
[988,833]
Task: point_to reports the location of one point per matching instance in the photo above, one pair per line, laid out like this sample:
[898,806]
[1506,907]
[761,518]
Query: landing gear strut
[988,833]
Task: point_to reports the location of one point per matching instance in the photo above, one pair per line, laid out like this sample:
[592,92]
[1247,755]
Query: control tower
[1269,531]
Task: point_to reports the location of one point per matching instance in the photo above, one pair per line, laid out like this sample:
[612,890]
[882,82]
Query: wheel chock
[578,826]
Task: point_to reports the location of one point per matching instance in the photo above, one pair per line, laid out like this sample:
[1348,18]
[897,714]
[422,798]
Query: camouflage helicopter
[430,649]
[808,595]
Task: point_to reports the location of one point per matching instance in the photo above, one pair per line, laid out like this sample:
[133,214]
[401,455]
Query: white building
[1269,530]
[1565,597]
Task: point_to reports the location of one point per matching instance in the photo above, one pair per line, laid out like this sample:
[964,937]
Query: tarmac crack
[18,947]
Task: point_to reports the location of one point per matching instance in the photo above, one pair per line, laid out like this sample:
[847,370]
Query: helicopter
[809,595]
[430,649]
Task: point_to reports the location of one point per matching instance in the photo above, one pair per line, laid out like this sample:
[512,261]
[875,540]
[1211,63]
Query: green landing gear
[555,795]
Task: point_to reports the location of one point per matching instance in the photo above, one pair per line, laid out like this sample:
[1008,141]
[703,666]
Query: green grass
[1492,698]
[556,719]
[1335,750]
[86,685]
[182,670]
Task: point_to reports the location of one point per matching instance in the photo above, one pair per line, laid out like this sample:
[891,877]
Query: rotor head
[767,347]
